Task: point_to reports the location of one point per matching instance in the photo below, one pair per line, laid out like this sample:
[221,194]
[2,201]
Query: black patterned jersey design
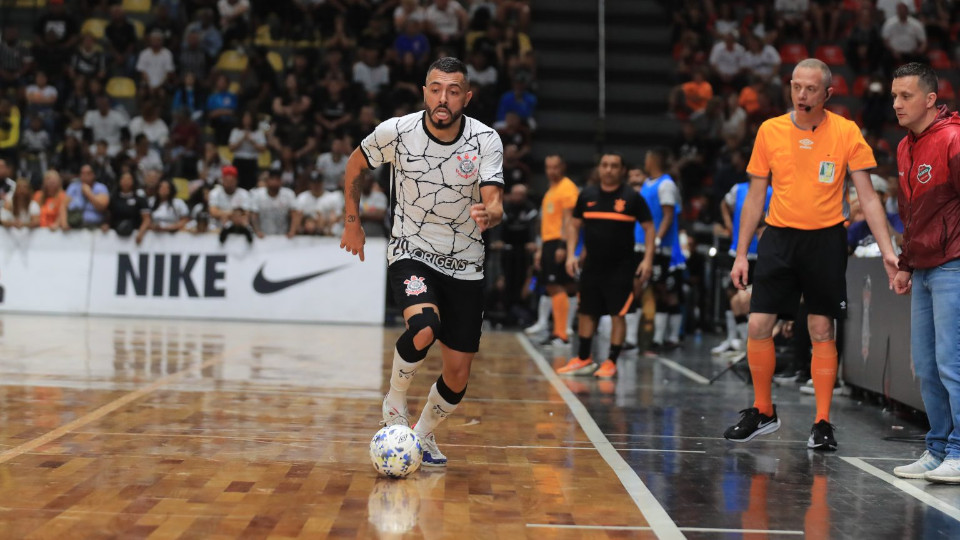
[435,185]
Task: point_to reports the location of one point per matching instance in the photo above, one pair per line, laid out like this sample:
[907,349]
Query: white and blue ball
[395,451]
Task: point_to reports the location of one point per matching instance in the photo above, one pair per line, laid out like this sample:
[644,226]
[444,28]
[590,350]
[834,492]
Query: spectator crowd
[232,116]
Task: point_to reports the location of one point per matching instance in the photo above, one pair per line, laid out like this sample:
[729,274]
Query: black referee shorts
[551,271]
[794,262]
[459,301]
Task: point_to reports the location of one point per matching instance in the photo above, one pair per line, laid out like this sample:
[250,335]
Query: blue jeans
[935,347]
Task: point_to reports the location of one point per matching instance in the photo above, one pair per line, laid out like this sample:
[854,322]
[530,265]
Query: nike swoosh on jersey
[264,286]
[592,203]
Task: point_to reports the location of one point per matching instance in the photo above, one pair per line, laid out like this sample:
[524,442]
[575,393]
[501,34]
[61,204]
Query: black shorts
[607,289]
[551,271]
[792,263]
[459,301]
[664,278]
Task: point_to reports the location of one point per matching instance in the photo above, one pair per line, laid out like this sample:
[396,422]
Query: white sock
[742,331]
[602,346]
[660,321]
[676,321]
[633,327]
[731,326]
[400,379]
[435,411]
[543,310]
[572,315]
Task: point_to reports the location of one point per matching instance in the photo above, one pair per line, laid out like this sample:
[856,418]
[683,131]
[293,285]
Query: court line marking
[683,370]
[660,522]
[112,406]
[906,487]
[683,529]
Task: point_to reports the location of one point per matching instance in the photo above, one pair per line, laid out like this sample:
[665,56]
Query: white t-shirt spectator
[47,92]
[273,212]
[157,132]
[904,37]
[889,7]
[372,78]
[725,61]
[149,162]
[330,206]
[240,198]
[419,14]
[247,150]
[106,128]
[487,77]
[156,66]
[331,171]
[169,213]
[763,63]
[376,201]
[445,22]
[33,209]
[792,9]
[228,10]
[308,204]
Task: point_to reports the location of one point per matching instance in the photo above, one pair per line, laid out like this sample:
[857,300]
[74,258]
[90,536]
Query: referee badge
[415,286]
[467,167]
[827,168]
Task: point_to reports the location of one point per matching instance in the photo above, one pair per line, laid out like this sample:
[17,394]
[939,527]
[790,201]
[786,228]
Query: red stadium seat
[860,85]
[831,55]
[939,59]
[840,86]
[791,53]
[946,90]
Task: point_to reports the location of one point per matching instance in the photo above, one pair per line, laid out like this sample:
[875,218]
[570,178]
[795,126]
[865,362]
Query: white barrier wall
[306,279]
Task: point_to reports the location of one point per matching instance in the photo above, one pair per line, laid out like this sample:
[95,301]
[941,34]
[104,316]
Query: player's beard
[454,117]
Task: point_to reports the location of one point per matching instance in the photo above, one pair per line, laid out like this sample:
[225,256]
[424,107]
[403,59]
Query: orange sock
[823,371]
[561,306]
[762,357]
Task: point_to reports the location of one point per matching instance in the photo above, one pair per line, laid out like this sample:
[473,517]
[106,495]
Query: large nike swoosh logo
[264,286]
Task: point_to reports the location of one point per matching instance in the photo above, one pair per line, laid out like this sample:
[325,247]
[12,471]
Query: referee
[608,212]
[805,156]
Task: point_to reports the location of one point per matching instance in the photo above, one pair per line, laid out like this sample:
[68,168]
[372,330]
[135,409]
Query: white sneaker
[537,328]
[918,468]
[726,345]
[393,417]
[948,472]
[431,454]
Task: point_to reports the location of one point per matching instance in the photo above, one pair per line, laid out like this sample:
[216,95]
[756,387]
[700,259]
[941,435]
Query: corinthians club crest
[415,286]
[467,166]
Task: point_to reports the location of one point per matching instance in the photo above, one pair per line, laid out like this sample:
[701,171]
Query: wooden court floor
[136,428]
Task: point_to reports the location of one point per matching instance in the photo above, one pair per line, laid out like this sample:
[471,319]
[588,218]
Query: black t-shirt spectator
[127,207]
[121,35]
[63,26]
[333,107]
[293,134]
[51,60]
[89,64]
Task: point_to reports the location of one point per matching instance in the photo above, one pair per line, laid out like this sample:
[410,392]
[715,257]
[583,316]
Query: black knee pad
[426,319]
[447,394]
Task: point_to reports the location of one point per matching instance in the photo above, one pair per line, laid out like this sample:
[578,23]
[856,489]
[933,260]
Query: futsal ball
[395,451]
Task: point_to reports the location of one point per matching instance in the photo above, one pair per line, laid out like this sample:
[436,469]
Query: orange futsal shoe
[607,370]
[576,366]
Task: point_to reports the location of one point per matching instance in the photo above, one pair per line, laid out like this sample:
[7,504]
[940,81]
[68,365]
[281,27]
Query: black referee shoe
[752,424]
[821,437]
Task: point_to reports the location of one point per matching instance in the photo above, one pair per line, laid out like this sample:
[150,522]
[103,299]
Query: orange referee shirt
[558,198]
[807,169]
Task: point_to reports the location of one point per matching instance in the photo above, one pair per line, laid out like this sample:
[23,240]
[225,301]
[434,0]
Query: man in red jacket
[928,159]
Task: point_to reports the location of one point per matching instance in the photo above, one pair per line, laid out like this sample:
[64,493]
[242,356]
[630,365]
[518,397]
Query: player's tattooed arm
[352,239]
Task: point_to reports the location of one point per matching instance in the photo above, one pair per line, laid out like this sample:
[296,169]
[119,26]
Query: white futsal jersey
[435,185]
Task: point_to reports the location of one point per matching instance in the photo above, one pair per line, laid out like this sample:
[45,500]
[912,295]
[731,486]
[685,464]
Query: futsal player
[448,187]
[804,155]
[608,212]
